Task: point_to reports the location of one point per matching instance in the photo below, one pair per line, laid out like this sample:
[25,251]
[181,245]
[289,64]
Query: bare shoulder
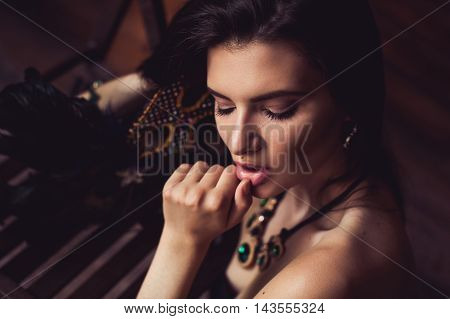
[366,255]
[368,231]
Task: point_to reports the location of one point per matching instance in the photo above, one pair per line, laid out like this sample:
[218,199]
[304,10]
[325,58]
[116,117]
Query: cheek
[281,139]
[322,140]
[223,127]
[325,132]
[297,145]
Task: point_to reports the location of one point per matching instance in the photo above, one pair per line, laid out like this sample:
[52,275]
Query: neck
[306,197]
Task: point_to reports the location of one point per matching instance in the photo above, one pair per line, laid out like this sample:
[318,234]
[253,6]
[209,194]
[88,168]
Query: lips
[256,174]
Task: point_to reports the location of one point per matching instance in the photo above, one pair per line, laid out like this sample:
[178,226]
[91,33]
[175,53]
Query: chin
[266,190]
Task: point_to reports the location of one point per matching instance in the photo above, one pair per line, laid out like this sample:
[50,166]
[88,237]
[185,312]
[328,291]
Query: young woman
[298,88]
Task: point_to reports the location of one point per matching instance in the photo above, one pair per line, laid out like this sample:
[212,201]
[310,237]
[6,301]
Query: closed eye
[223,110]
[284,115]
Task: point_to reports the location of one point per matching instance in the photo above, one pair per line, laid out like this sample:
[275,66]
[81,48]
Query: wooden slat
[435,28]
[432,51]
[22,176]
[416,60]
[7,221]
[59,227]
[13,254]
[58,276]
[120,265]
[77,240]
[10,238]
[7,286]
[3,159]
[96,264]
[9,169]
[414,108]
[41,249]
[139,270]
[420,54]
[133,289]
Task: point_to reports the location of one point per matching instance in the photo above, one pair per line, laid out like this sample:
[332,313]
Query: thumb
[242,202]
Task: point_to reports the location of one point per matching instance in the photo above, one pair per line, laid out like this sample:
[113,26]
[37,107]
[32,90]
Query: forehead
[257,68]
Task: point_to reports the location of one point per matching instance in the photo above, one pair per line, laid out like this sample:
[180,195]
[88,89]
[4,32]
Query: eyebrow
[263,97]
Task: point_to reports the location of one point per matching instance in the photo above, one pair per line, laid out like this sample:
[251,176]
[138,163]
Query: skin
[340,256]
[122,96]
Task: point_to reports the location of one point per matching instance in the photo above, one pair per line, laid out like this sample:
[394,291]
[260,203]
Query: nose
[245,139]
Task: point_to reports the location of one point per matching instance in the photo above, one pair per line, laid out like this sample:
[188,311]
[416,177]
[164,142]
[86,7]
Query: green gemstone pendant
[254,250]
[263,202]
[250,220]
[243,252]
[276,247]
[263,259]
[246,252]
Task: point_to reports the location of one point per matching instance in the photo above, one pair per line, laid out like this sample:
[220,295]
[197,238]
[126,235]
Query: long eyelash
[271,115]
[281,116]
[222,112]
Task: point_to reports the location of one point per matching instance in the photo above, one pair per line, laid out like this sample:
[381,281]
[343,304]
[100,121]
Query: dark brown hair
[341,36]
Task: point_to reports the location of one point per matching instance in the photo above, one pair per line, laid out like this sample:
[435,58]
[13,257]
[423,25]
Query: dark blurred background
[119,35]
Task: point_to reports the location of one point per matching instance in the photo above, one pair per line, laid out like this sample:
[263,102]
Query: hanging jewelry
[254,250]
[350,136]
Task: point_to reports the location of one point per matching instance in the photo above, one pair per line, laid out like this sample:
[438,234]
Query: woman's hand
[201,202]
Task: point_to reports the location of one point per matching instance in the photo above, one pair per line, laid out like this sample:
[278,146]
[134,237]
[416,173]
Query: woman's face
[256,88]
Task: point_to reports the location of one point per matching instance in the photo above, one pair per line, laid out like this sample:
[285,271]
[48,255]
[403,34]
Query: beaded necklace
[255,251]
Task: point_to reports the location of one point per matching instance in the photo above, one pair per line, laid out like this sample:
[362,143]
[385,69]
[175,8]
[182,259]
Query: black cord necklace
[256,251]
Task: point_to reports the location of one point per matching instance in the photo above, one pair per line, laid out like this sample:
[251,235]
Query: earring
[350,136]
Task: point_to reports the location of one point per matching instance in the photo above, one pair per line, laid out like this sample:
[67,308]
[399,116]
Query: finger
[196,173]
[241,204]
[212,176]
[178,175]
[228,181]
